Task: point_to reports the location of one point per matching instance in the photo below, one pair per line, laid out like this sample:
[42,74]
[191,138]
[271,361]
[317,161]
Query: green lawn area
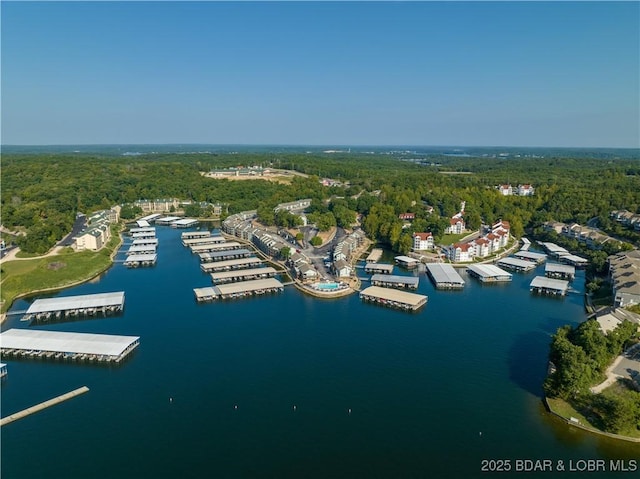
[450,239]
[55,272]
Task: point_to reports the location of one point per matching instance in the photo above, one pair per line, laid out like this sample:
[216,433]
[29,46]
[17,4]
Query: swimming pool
[327,286]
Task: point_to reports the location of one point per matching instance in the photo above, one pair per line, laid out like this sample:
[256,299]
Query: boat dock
[489,273]
[144,229]
[444,276]
[243,275]
[378,268]
[188,242]
[407,262]
[167,220]
[3,370]
[145,242]
[516,264]
[526,244]
[393,298]
[232,264]
[184,223]
[141,249]
[560,271]
[537,258]
[395,281]
[38,344]
[67,306]
[211,248]
[225,255]
[144,235]
[194,234]
[543,285]
[43,405]
[151,218]
[572,259]
[240,289]
[555,250]
[374,256]
[135,260]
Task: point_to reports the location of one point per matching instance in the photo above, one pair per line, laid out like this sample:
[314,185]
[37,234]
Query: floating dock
[167,220]
[194,234]
[3,370]
[141,249]
[135,260]
[574,260]
[555,250]
[516,264]
[407,262]
[444,276]
[378,268]
[29,343]
[143,235]
[43,405]
[225,255]
[240,289]
[67,306]
[151,218]
[489,273]
[243,275]
[543,285]
[393,298]
[232,264]
[184,223]
[560,271]
[374,256]
[145,242]
[526,244]
[146,229]
[143,223]
[395,281]
[212,248]
[537,258]
[189,242]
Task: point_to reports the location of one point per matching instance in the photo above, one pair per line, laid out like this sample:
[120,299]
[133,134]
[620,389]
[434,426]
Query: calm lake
[262,387]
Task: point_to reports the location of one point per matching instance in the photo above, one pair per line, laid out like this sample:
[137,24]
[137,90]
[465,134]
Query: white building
[423,241]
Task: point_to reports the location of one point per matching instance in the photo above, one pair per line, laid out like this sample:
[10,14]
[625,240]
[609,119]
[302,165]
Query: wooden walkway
[43,405]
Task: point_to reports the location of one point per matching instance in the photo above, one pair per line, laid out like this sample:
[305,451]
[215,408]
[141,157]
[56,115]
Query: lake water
[289,386]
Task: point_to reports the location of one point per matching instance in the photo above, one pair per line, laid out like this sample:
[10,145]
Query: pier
[225,255]
[240,289]
[151,218]
[144,235]
[242,275]
[407,262]
[37,344]
[543,285]
[194,234]
[560,271]
[516,264]
[145,229]
[184,223]
[43,405]
[395,281]
[188,242]
[84,305]
[135,260]
[393,298]
[167,220]
[444,276]
[378,268]
[537,258]
[374,256]
[212,248]
[489,273]
[232,264]
[145,242]
[572,259]
[141,249]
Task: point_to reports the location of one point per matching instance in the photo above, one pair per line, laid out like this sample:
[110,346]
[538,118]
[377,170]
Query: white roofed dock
[537,258]
[516,264]
[243,275]
[225,255]
[543,285]
[560,271]
[210,248]
[393,298]
[88,304]
[240,289]
[489,273]
[231,264]
[444,276]
[203,240]
[395,281]
[194,234]
[136,260]
[378,268]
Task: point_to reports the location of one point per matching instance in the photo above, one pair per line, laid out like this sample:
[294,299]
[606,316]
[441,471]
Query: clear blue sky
[325,73]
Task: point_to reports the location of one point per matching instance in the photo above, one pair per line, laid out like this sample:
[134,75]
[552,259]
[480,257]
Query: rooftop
[76,302]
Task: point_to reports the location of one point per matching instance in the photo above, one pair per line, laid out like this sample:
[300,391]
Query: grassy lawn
[54,272]
[450,239]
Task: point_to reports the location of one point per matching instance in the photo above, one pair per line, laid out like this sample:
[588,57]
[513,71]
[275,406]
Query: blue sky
[322,73]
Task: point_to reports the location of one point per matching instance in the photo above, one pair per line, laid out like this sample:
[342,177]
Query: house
[461,252]
[505,190]
[526,190]
[342,268]
[422,241]
[407,216]
[456,226]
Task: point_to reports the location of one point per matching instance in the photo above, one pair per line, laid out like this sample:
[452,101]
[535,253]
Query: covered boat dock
[144,234]
[393,298]
[188,242]
[407,261]
[167,220]
[543,285]
[232,264]
[194,234]
[378,268]
[243,275]
[184,223]
[29,343]
[489,273]
[141,249]
[516,264]
[83,305]
[374,256]
[560,271]
[145,242]
[240,289]
[537,258]
[210,248]
[444,276]
[572,259]
[136,260]
[225,255]
[395,281]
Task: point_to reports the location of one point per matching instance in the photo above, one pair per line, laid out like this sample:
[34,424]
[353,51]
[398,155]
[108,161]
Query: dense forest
[41,193]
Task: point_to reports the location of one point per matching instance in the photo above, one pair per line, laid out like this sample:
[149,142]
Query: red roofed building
[456,226]
[483,247]
[526,190]
[407,216]
[461,252]
[422,241]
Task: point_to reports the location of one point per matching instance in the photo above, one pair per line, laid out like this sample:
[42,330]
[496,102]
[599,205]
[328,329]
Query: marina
[143,235]
[211,248]
[209,239]
[395,281]
[489,273]
[243,275]
[75,306]
[167,220]
[543,285]
[240,289]
[141,249]
[444,276]
[184,223]
[43,405]
[515,264]
[537,258]
[393,298]
[38,344]
[560,271]
[232,264]
[135,260]
[572,259]
[194,234]
[378,268]
[225,255]
[374,256]
[406,261]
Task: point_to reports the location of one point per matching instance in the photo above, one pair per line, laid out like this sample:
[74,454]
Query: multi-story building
[624,271]
[423,241]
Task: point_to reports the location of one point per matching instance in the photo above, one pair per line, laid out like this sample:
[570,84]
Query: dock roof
[248,286]
[406,259]
[530,255]
[214,246]
[389,294]
[230,263]
[517,263]
[398,279]
[488,270]
[239,273]
[379,267]
[444,274]
[223,254]
[550,283]
[62,342]
[141,258]
[375,255]
[559,268]
[76,302]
